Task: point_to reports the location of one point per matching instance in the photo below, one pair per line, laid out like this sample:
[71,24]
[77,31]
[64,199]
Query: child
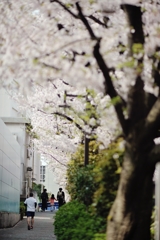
[52,202]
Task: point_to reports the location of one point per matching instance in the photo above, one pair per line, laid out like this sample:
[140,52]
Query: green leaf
[35,61]
[128,64]
[116,100]
[137,48]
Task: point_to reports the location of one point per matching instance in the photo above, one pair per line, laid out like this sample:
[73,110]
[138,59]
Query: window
[42,173]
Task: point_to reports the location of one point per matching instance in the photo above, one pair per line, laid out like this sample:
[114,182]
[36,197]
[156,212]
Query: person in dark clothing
[60,197]
[44,197]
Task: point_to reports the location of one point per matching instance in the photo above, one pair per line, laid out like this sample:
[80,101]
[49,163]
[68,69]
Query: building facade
[47,179]
[10,166]
[28,159]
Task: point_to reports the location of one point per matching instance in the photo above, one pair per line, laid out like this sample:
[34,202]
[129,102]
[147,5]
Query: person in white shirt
[31,207]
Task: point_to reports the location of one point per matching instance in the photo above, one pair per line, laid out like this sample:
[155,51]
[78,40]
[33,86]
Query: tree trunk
[130,215]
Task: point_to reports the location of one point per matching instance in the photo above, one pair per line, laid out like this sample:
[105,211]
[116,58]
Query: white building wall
[17,126]
[50,184]
[18,130]
[9,171]
[49,181]
[8,107]
[36,167]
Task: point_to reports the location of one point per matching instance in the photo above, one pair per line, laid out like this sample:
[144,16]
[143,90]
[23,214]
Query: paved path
[43,229]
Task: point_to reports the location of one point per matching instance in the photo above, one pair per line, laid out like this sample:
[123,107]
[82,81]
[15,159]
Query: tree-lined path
[43,229]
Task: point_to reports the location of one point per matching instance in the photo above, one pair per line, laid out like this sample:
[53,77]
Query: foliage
[96,183]
[37,188]
[22,208]
[80,182]
[152,227]
[73,222]
[100,236]
[107,173]
[29,130]
[84,185]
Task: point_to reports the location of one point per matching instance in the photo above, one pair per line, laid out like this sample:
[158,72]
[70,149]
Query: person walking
[60,197]
[44,197]
[31,204]
[52,202]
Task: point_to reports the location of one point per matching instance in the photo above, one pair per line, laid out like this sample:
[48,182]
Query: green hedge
[73,222]
[100,236]
[96,184]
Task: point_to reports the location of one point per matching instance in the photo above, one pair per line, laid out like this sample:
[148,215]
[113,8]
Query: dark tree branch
[68,118]
[49,102]
[156,75]
[75,95]
[85,22]
[154,156]
[49,66]
[65,8]
[65,82]
[54,158]
[136,102]
[136,35]
[152,122]
[64,106]
[136,97]
[156,67]
[135,21]
[62,47]
[97,21]
[109,85]
[51,81]
[103,67]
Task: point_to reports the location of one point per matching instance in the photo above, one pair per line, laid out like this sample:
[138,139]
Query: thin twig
[97,20]
[65,8]
[55,159]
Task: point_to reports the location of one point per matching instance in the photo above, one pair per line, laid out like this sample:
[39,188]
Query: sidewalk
[43,229]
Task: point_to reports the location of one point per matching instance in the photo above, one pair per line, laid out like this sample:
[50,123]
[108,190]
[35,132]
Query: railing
[56,206]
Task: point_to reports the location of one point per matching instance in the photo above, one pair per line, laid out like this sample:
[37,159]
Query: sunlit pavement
[43,229]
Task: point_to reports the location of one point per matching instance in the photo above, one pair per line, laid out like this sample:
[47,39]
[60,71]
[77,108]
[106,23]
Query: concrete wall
[8,219]
[49,183]
[14,174]
[9,174]
[18,129]
[36,167]
[29,157]
[17,126]
[9,109]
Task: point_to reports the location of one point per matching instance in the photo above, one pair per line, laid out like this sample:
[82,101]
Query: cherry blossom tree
[112,47]
[61,119]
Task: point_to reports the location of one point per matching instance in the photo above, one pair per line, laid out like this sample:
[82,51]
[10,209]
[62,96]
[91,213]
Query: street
[43,229]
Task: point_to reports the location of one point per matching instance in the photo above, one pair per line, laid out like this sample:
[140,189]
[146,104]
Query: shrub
[107,174]
[100,236]
[37,188]
[73,222]
[22,208]
[84,185]
[152,226]
[80,184]
[96,183]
